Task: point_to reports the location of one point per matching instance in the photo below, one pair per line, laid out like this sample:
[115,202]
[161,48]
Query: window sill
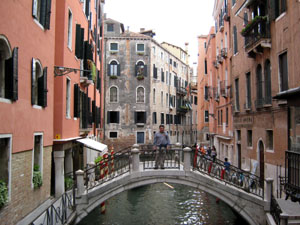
[140,124]
[5,100]
[250,147]
[270,151]
[281,16]
[75,118]
[267,105]
[37,107]
[70,48]
[38,23]
[68,117]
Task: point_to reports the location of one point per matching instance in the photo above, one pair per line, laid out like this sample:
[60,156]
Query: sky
[173,21]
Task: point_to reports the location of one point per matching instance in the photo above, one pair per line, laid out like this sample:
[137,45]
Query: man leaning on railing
[161,144]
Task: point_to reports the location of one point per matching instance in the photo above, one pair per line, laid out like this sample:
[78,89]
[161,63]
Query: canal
[164,204]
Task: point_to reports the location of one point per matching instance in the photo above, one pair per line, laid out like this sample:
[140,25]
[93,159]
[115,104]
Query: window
[283,72]
[227,114]
[113,117]
[268,90]
[113,134]
[37,167]
[205,66]
[233,2]
[140,69]
[235,41]
[140,48]
[245,18]
[259,85]
[167,119]
[154,72]
[113,95]
[162,98]
[206,116]
[8,70]
[206,93]
[249,138]
[167,99]
[195,100]
[237,98]
[162,118]
[154,118]
[238,135]
[162,76]
[270,140]
[140,95]
[140,117]
[110,27]
[5,160]
[140,137]
[248,91]
[76,101]
[68,97]
[154,96]
[205,44]
[41,11]
[79,42]
[38,84]
[113,68]
[280,7]
[70,21]
[167,78]
[114,47]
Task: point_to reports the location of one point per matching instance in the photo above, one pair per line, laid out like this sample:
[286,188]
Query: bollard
[59,172]
[80,182]
[91,174]
[135,159]
[268,194]
[187,159]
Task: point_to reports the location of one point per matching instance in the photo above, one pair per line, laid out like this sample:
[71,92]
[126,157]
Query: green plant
[98,159]
[140,77]
[68,182]
[113,77]
[3,193]
[37,177]
[184,107]
[249,25]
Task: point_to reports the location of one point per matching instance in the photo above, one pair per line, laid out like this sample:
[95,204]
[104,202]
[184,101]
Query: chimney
[142,29]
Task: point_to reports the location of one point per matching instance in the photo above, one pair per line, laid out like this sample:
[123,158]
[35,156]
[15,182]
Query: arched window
[259,86]
[268,90]
[8,70]
[113,68]
[113,93]
[141,69]
[38,83]
[140,95]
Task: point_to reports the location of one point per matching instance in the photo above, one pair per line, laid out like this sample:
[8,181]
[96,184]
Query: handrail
[275,210]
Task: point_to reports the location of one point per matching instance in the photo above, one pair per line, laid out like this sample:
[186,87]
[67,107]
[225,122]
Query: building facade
[145,86]
[27,43]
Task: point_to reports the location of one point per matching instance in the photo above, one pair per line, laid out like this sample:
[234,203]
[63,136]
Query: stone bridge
[135,168]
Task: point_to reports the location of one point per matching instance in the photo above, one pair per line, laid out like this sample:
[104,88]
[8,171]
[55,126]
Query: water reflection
[158,204]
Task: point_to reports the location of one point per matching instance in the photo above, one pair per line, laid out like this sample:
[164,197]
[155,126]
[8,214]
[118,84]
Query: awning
[94,145]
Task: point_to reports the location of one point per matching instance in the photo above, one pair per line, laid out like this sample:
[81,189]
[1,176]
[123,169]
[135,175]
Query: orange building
[27,43]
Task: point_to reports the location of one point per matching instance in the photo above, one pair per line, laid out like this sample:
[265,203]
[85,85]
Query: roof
[174,46]
[93,145]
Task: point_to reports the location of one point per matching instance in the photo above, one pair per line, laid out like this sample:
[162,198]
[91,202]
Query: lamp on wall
[61,71]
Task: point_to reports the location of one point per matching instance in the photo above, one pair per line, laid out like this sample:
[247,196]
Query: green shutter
[43,89]
[118,117]
[11,76]
[135,117]
[76,101]
[118,70]
[145,70]
[78,42]
[43,13]
[136,70]
[94,111]
[108,70]
[48,14]
[15,74]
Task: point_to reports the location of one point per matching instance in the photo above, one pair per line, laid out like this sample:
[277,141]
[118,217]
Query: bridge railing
[148,156]
[107,169]
[234,176]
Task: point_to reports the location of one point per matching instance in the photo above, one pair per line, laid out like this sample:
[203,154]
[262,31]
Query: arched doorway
[261,152]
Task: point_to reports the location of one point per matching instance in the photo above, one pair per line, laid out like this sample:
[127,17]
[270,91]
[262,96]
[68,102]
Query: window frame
[137,49]
[110,88]
[109,134]
[144,93]
[68,98]
[10,137]
[70,29]
[113,50]
[140,133]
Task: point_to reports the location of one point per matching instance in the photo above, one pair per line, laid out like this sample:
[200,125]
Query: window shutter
[42,89]
[145,70]
[81,44]
[76,100]
[235,40]
[87,8]
[78,43]
[94,112]
[15,74]
[135,117]
[33,81]
[118,70]
[11,77]
[272,10]
[34,8]
[145,117]
[108,70]
[136,69]
[43,13]
[108,117]
[118,117]
[48,14]
[84,112]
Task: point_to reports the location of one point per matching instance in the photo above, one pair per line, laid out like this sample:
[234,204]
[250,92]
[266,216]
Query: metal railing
[108,169]
[234,176]
[292,174]
[259,30]
[148,157]
[275,210]
[58,213]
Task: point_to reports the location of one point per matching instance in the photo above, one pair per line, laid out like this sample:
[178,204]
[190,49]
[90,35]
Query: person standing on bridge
[161,144]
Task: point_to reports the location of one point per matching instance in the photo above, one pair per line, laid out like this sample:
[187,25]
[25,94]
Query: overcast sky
[173,21]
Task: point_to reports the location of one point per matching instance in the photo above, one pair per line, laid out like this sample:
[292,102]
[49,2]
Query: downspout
[95,84]
[103,49]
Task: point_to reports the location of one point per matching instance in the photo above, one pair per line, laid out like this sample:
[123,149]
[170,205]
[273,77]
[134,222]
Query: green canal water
[159,204]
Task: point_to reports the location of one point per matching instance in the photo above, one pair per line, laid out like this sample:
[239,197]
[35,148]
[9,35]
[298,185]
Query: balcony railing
[215,64]
[259,103]
[247,106]
[258,30]
[263,102]
[224,52]
[181,90]
[224,91]
[182,109]
[220,59]
[292,174]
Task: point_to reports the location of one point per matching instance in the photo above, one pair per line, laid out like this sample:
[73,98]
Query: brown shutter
[48,14]
[33,81]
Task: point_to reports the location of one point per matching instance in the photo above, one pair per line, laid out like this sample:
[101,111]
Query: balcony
[181,91]
[257,35]
[182,109]
[216,64]
[219,59]
[216,94]
[224,91]
[224,52]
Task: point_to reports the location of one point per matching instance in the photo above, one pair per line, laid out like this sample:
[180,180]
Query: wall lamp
[61,71]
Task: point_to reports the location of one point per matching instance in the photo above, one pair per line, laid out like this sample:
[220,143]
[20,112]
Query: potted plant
[68,182]
[113,77]
[97,168]
[3,193]
[37,177]
[250,25]
[140,77]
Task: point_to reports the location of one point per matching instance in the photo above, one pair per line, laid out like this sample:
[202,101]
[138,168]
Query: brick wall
[23,197]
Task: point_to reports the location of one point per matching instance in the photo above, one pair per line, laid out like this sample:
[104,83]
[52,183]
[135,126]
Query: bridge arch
[251,208]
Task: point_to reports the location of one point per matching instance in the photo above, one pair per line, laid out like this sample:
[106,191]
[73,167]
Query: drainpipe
[103,77]
[96,46]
